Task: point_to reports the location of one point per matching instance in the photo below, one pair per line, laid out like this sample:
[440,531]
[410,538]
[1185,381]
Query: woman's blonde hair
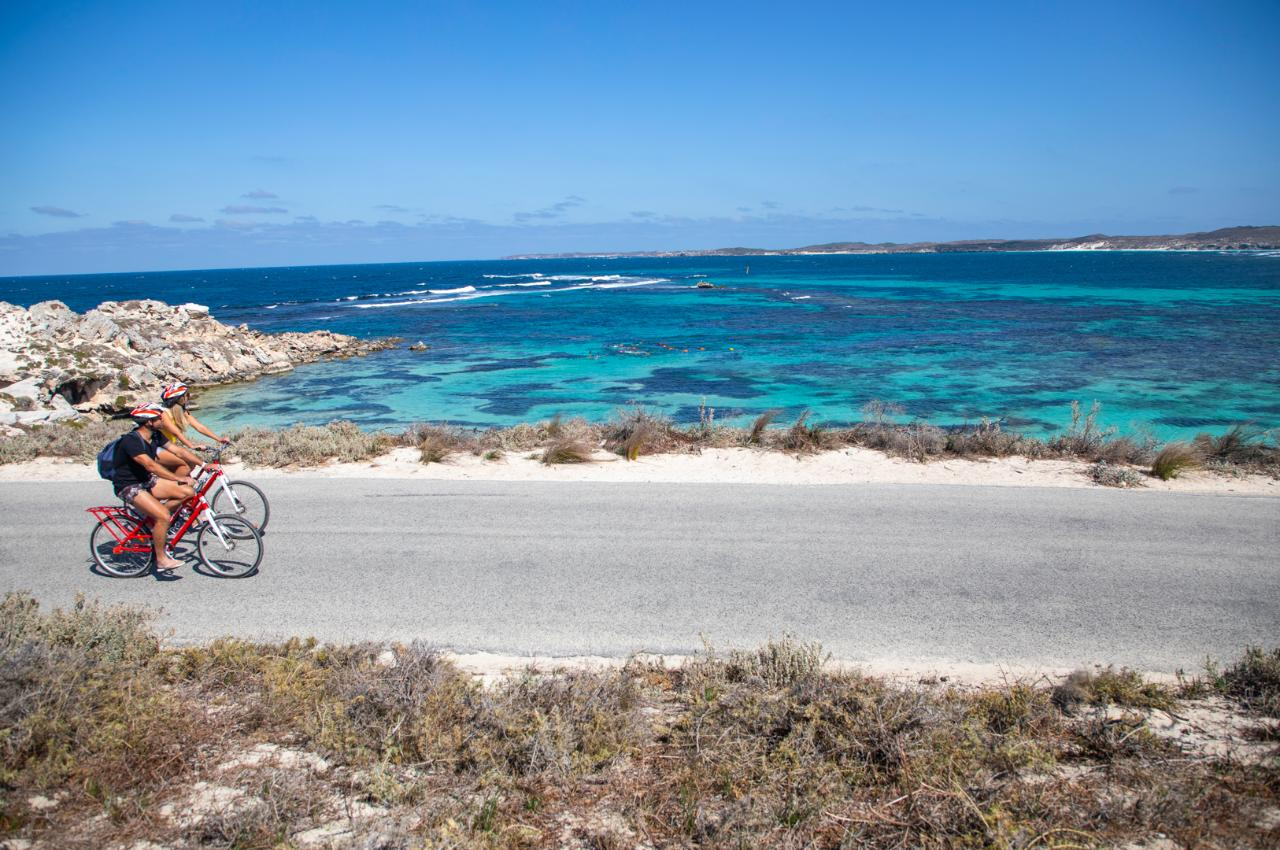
[179,414]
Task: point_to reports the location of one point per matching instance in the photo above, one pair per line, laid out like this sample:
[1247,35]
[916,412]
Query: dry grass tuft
[566,451]
[1175,459]
[755,434]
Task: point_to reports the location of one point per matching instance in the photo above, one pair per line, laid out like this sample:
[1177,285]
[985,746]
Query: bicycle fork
[231,495]
[217,529]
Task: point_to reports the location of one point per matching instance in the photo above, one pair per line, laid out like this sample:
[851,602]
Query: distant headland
[1225,239]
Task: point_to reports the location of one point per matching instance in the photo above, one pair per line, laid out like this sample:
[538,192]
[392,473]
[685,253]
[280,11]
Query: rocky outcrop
[55,363]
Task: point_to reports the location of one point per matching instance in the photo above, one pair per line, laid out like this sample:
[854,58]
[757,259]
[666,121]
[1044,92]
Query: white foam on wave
[629,283]
[467,296]
[511,276]
[469,293]
[802,298]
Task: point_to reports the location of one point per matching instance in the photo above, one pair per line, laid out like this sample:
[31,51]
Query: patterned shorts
[129,493]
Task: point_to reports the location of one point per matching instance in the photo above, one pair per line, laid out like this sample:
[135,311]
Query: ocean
[1169,343]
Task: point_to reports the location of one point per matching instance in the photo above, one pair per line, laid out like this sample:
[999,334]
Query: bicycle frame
[138,539]
[219,475]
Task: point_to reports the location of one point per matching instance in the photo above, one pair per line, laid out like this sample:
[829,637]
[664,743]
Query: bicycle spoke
[229,546]
[242,499]
[130,559]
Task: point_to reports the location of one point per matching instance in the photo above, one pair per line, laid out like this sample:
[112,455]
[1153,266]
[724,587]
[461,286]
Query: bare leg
[149,505]
[172,462]
[176,464]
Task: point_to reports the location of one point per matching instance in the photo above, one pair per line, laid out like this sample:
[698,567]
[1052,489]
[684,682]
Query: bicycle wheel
[229,545]
[135,559]
[250,503]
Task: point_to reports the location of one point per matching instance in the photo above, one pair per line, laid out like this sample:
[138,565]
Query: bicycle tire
[102,544]
[240,556]
[255,508]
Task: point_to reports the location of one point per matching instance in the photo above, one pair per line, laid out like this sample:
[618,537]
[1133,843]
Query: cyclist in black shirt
[143,483]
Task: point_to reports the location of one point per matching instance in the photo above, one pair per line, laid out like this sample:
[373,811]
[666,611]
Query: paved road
[887,573]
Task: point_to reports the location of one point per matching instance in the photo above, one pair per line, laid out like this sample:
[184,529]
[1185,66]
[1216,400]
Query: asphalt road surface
[881,573]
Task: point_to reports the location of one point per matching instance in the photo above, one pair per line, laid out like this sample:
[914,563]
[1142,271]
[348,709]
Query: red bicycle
[227,544]
[229,496]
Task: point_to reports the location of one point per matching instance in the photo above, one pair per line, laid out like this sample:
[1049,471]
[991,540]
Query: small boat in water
[705,284]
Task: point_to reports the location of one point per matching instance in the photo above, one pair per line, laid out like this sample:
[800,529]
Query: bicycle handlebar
[217,451]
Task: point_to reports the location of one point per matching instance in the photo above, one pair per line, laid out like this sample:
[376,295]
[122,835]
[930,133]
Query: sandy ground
[491,667]
[713,466]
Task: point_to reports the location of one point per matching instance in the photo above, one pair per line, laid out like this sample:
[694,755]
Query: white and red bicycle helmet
[173,393]
[145,414]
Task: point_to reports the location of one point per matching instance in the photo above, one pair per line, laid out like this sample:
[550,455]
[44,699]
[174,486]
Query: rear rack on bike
[110,516]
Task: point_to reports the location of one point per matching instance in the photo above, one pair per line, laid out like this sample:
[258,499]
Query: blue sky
[182,135]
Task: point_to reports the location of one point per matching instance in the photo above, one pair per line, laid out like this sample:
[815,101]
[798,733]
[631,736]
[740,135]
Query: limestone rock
[55,363]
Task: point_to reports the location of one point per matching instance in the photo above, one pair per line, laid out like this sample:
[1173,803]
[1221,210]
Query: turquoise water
[1173,343]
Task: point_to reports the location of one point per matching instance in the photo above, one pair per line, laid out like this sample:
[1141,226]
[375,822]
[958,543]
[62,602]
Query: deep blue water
[1171,342]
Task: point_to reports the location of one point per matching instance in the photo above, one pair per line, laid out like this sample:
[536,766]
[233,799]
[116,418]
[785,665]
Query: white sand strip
[712,466]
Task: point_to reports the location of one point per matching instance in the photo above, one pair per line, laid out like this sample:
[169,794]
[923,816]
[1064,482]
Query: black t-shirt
[128,470]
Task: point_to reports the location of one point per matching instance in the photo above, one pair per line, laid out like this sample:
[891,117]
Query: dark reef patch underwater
[1170,342]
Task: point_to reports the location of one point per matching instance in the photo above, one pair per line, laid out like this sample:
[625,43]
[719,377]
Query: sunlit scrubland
[1116,459]
[109,736]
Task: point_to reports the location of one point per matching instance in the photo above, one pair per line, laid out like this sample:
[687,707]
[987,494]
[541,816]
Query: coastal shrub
[770,747]
[920,441]
[781,663]
[1083,437]
[562,725]
[1122,450]
[1175,459]
[880,413]
[518,438]
[1111,475]
[77,439]
[566,451]
[636,431]
[1254,680]
[986,439]
[525,437]
[435,444]
[805,437]
[707,432]
[1241,446]
[81,706]
[916,441]
[1108,686]
[305,445]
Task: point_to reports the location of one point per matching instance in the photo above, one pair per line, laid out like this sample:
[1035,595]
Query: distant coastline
[1245,238]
